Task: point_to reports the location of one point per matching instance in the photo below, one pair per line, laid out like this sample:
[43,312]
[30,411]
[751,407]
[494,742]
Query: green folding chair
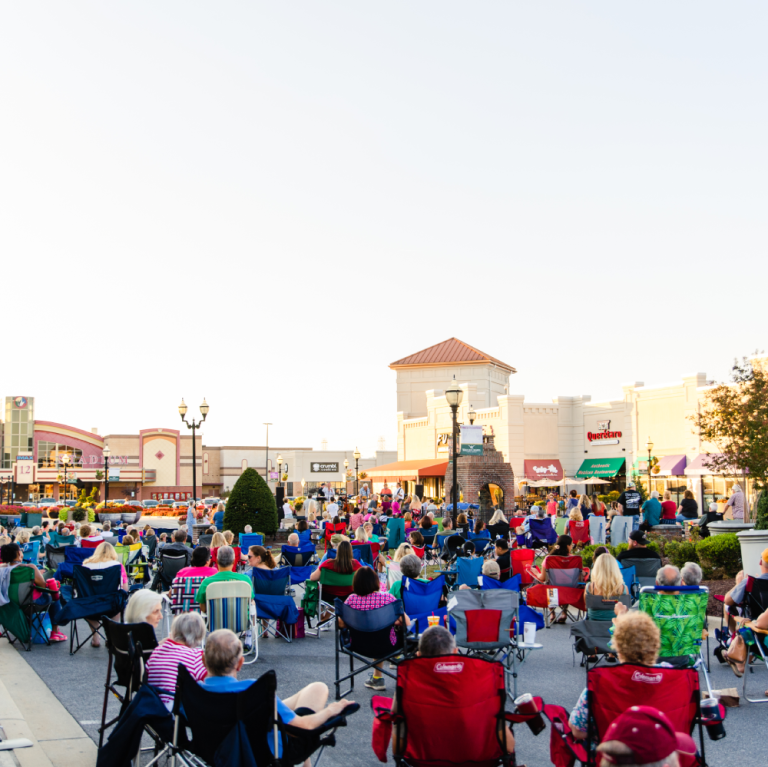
[342,588]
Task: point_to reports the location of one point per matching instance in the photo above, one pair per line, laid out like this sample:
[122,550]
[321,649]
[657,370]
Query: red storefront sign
[543,468]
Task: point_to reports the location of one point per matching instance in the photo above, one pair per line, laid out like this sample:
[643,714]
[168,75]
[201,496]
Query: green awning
[599,467]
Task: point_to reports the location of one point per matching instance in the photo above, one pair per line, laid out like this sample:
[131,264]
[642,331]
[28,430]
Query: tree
[251,503]
[734,418]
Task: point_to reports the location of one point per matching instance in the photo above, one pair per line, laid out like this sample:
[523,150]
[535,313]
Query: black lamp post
[279,470]
[266,461]
[194,425]
[65,461]
[471,415]
[106,453]
[454,396]
[357,480]
[649,446]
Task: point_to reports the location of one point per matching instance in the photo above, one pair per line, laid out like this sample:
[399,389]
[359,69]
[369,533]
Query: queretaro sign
[324,468]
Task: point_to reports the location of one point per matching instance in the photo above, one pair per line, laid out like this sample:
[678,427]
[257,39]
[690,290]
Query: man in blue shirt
[652,509]
[306,709]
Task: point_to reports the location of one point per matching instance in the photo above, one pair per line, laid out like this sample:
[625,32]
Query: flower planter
[109,518]
[753,543]
[729,526]
[132,518]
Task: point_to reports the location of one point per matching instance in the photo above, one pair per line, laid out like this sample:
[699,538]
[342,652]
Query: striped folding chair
[229,605]
[183,593]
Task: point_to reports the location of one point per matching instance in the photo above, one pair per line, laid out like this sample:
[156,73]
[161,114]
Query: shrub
[53,513]
[588,555]
[251,503]
[720,556]
[761,520]
[614,495]
[63,514]
[78,514]
[680,552]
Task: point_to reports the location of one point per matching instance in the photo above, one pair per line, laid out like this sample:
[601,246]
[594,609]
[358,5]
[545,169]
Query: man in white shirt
[332,508]
[399,493]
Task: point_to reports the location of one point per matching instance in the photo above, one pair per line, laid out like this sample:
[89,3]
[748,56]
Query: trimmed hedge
[719,556]
[588,552]
[251,503]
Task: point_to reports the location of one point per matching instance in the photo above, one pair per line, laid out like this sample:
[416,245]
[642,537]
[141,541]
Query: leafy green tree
[251,503]
[734,418]
[761,523]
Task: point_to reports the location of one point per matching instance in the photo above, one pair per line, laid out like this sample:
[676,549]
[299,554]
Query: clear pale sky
[267,203]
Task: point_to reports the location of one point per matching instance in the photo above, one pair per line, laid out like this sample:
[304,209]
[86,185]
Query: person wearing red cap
[643,736]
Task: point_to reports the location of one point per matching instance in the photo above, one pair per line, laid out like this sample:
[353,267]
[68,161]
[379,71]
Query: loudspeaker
[279,497]
[419,491]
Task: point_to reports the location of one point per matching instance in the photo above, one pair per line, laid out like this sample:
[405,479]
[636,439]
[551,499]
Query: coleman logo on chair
[449,668]
[646,678]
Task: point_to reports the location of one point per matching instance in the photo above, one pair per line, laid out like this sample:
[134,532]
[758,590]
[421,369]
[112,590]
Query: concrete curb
[28,709]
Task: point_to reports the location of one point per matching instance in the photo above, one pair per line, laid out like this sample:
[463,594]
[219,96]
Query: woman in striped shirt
[182,646]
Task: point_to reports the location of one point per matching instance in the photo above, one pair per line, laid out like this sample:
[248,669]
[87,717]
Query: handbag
[736,654]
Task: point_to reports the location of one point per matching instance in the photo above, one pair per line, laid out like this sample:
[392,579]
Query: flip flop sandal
[736,666]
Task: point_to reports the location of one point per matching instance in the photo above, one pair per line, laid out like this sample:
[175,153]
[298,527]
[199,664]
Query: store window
[49,454]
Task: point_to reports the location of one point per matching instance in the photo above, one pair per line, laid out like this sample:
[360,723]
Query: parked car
[69,503]
[150,504]
[134,503]
[211,502]
[180,504]
[47,501]
[29,505]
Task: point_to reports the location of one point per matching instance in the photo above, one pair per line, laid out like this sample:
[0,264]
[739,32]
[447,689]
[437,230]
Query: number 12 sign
[25,472]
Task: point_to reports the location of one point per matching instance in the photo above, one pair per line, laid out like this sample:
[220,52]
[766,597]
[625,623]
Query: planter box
[753,543]
[720,528]
[108,518]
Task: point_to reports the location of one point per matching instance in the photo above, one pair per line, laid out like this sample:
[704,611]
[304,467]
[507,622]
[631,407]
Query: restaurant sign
[604,433]
[324,468]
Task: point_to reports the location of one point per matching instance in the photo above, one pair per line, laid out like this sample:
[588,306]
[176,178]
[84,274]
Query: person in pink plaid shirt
[367,595]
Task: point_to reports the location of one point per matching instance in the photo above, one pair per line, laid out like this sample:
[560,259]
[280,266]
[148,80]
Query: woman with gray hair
[181,647]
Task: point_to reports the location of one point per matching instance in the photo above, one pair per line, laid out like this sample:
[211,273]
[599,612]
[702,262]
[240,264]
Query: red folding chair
[465,695]
[579,532]
[331,529]
[521,560]
[566,576]
[613,689]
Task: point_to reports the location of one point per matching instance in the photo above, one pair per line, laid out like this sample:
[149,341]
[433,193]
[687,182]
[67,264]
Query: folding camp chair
[521,560]
[645,569]
[22,618]
[168,567]
[395,532]
[485,626]
[246,540]
[621,527]
[541,530]
[214,718]
[96,594]
[331,530]
[367,636]
[629,574]
[297,556]
[229,606]
[54,556]
[124,641]
[579,532]
[336,585]
[757,642]
[465,695]
[499,530]
[363,553]
[597,530]
[469,571]
[422,599]
[511,584]
[183,593]
[593,637]
[274,606]
[30,552]
[564,588]
[482,544]
[681,619]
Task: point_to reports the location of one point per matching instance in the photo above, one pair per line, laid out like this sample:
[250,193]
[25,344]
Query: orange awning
[409,470]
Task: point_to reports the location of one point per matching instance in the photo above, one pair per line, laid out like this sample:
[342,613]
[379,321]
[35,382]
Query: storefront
[538,473]
[713,486]
[611,470]
[425,478]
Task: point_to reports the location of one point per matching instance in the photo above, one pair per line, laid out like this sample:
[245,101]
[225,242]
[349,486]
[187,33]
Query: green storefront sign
[599,467]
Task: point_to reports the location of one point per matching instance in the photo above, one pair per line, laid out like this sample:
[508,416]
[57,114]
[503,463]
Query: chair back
[65,540]
[499,530]
[204,540]
[579,531]
[484,618]
[673,691]
[246,540]
[645,569]
[563,571]
[756,597]
[76,555]
[621,527]
[429,537]
[274,582]
[376,528]
[54,556]
[469,570]
[513,584]
[630,577]
[228,605]
[521,560]
[122,641]
[597,529]
[543,530]
[212,715]
[421,598]
[337,584]
[171,563]
[298,556]
[93,583]
[681,618]
[90,544]
[395,532]
[30,552]
[595,602]
[368,632]
[363,553]
[305,537]
[466,695]
[183,593]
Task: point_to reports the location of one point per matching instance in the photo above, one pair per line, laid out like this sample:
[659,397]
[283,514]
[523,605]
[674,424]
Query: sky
[265,204]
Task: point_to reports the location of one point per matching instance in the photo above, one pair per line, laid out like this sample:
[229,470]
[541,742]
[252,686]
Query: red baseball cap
[649,735]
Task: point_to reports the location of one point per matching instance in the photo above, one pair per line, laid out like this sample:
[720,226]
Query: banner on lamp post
[471,440]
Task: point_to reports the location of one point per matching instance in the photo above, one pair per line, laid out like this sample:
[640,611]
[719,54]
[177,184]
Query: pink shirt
[163,666]
[355,520]
[193,572]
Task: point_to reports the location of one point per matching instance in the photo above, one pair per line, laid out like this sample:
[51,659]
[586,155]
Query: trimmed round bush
[251,503]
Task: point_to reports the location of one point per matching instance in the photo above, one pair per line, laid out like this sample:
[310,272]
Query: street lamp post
[454,396]
[65,461]
[649,446]
[357,479]
[106,453]
[194,425]
[266,461]
[279,470]
[471,415]
[302,487]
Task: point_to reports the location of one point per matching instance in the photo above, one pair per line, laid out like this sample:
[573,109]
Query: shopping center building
[571,436]
[42,458]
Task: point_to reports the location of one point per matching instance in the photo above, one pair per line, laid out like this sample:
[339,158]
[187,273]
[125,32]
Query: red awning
[408,470]
[542,468]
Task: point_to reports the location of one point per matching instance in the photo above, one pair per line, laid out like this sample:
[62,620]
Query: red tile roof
[450,352]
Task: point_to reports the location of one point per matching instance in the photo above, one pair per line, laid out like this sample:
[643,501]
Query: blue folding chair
[363,553]
[542,530]
[73,555]
[30,552]
[469,571]
[250,539]
[376,528]
[421,600]
[482,542]
[273,603]
[513,583]
[305,537]
[630,580]
[298,556]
